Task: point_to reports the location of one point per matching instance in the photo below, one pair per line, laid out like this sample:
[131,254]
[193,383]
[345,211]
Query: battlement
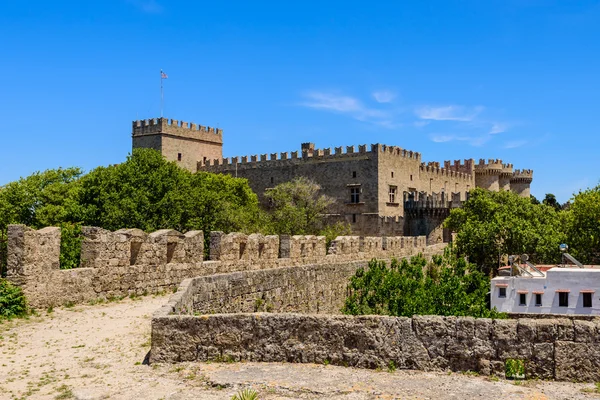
[522,176]
[507,170]
[308,152]
[491,167]
[164,125]
[458,172]
[419,201]
[458,166]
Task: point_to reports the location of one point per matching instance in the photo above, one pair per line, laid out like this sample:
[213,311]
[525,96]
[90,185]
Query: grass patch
[64,392]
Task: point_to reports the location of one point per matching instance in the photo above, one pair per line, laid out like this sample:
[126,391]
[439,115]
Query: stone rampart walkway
[96,352]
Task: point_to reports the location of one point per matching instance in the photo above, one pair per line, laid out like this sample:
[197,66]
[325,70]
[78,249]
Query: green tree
[550,200]
[584,226]
[298,207]
[447,285]
[491,224]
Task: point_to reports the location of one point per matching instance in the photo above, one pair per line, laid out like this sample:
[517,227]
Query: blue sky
[512,79]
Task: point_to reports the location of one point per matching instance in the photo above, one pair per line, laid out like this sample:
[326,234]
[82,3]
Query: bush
[70,245]
[12,300]
[446,286]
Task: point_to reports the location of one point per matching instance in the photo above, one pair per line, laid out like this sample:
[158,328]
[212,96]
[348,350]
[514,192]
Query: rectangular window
[538,299]
[353,218]
[522,299]
[393,193]
[587,299]
[354,195]
[178,156]
[411,177]
[502,292]
[563,299]
[354,174]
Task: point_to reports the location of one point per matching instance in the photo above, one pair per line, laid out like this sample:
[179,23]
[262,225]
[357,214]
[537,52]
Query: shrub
[446,286]
[514,369]
[246,394]
[70,245]
[12,300]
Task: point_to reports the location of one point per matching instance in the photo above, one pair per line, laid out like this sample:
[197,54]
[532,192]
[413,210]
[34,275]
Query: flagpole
[161,94]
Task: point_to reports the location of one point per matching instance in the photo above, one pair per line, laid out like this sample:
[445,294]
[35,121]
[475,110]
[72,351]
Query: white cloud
[448,113]
[384,96]
[147,6]
[346,105]
[498,127]
[420,124]
[515,144]
[476,141]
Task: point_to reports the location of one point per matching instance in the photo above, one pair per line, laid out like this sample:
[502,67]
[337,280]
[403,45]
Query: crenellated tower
[505,176]
[186,144]
[521,181]
[487,175]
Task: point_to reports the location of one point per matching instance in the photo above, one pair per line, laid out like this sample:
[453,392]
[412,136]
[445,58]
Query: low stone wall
[130,261]
[551,349]
[215,318]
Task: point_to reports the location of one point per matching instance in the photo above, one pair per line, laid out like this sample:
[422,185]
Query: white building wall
[574,279]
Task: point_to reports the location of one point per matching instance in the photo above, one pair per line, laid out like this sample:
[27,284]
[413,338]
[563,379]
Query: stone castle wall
[222,318]
[130,261]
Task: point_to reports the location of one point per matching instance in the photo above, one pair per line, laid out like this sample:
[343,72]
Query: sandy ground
[96,352]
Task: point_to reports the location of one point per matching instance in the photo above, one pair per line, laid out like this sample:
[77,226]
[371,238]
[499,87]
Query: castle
[380,190]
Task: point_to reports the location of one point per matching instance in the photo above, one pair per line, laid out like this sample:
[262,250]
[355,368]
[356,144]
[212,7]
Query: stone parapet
[221,317]
[130,261]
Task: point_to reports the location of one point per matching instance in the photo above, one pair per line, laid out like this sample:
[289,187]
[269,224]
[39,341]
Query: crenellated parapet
[307,153]
[131,261]
[522,176]
[434,169]
[433,203]
[164,125]
[491,167]
[466,167]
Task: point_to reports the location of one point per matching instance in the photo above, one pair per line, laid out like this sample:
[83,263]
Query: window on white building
[502,292]
[563,299]
[587,299]
[522,299]
[538,299]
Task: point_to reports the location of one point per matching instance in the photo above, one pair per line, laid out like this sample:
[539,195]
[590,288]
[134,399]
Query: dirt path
[95,352]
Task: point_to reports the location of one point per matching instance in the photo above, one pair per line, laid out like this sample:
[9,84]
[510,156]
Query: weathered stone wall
[221,317]
[130,261]
[559,349]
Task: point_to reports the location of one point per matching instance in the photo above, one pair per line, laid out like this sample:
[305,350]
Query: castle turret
[505,176]
[487,175]
[186,144]
[521,181]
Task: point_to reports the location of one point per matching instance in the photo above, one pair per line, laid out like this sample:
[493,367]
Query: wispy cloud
[147,6]
[448,113]
[473,140]
[515,144]
[346,105]
[384,96]
[498,127]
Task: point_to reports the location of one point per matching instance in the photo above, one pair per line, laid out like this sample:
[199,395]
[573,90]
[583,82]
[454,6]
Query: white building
[557,290]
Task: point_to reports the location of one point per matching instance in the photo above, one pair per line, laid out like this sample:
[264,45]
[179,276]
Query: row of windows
[563,298]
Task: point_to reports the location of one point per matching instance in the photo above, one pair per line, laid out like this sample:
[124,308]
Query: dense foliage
[145,192]
[446,286]
[12,300]
[584,226]
[492,224]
